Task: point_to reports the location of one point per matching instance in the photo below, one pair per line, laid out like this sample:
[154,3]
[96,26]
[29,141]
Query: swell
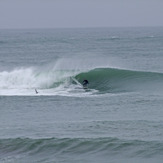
[54,147]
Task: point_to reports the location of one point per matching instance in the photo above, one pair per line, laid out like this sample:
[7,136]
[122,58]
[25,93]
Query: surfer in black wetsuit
[85,83]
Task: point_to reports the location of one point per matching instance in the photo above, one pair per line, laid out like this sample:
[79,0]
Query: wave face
[118,80]
[101,80]
[25,149]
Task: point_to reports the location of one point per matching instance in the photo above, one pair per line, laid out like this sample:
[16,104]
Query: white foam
[47,81]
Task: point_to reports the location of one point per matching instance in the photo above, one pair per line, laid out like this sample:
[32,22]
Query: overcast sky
[80,13]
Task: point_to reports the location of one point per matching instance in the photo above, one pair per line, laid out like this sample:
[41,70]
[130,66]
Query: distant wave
[110,38]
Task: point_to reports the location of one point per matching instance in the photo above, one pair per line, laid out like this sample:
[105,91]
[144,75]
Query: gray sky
[80,13]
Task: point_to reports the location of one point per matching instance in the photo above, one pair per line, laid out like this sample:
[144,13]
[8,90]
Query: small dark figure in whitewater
[36,91]
[85,83]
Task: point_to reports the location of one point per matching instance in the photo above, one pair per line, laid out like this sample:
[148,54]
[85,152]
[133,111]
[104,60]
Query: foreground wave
[18,149]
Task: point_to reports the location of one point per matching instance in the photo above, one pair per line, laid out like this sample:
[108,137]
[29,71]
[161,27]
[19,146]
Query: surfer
[85,83]
[36,91]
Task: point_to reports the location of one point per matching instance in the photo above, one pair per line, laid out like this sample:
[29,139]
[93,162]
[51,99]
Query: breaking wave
[101,80]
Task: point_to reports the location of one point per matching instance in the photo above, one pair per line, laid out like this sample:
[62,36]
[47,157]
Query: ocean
[117,119]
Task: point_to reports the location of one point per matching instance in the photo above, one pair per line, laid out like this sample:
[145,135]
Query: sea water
[118,119]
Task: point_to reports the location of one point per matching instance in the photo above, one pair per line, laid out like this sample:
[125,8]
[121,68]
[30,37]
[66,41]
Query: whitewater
[118,119]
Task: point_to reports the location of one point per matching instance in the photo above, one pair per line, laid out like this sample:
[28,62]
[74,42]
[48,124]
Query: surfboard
[77,82]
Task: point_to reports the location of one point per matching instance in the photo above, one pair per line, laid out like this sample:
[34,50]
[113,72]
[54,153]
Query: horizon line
[86,27]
